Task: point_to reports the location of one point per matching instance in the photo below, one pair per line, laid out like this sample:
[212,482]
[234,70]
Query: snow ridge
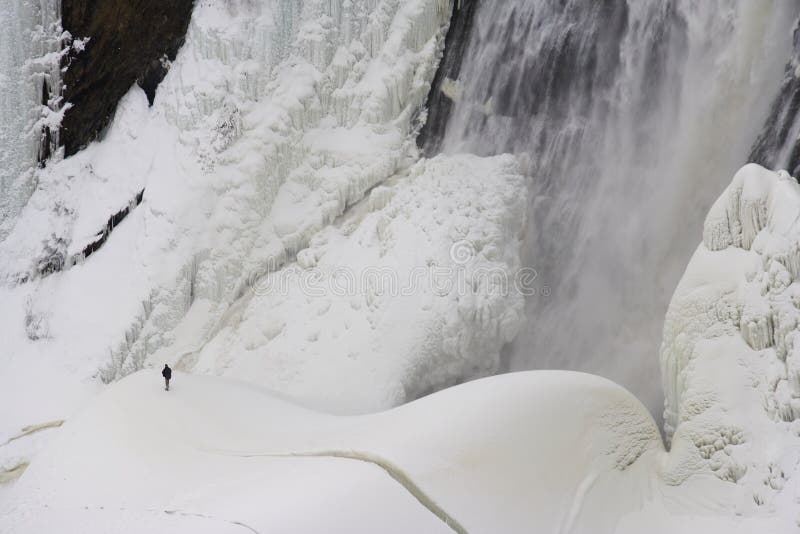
[519,452]
[395,472]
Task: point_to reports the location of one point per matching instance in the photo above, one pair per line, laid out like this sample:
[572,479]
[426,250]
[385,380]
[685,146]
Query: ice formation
[29,97]
[219,450]
[382,300]
[729,357]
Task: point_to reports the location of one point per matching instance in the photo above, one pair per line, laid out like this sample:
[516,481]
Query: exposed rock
[129,41]
[777,144]
[112,223]
[440,99]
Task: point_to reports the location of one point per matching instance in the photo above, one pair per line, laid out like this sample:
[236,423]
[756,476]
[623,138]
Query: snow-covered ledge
[730,358]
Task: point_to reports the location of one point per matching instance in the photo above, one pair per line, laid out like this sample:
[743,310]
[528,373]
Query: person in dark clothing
[167,374]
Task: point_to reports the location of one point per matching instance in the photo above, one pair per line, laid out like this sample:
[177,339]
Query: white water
[631,120]
[29,41]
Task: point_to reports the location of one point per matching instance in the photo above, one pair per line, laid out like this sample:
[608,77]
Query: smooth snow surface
[228,452]
[544,451]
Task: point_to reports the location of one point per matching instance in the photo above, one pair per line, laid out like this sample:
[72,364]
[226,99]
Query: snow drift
[459,460]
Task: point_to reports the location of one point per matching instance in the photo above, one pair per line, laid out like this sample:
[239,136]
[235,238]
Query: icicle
[30,96]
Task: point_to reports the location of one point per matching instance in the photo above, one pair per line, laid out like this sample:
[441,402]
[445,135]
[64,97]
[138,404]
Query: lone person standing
[167,374]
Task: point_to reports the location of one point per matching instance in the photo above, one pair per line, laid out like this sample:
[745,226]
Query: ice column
[30,91]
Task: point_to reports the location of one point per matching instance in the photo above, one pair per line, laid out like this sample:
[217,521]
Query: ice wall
[30,38]
[630,117]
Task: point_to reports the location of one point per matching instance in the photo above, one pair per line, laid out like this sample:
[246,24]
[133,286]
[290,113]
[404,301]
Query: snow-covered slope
[460,460]
[407,293]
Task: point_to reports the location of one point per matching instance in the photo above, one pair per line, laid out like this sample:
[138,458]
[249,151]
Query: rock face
[129,41]
[777,145]
[444,88]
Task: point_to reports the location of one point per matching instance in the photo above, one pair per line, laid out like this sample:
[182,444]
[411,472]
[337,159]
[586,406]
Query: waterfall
[778,144]
[629,118]
[30,88]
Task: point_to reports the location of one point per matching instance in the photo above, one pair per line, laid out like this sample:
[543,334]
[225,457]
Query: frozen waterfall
[280,141]
[629,117]
[29,87]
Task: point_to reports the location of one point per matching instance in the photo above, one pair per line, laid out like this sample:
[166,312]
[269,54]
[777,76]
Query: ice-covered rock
[729,358]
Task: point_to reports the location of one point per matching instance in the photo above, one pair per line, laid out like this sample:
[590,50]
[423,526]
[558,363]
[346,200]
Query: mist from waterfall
[629,118]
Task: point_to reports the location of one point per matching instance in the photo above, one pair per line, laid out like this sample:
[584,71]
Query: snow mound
[730,357]
[30,95]
[236,455]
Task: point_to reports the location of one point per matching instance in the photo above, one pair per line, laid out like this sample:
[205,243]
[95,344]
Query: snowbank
[460,460]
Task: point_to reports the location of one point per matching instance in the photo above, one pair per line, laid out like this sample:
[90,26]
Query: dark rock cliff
[777,146]
[439,104]
[128,42]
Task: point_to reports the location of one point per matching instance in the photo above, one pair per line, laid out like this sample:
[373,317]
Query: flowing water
[629,118]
